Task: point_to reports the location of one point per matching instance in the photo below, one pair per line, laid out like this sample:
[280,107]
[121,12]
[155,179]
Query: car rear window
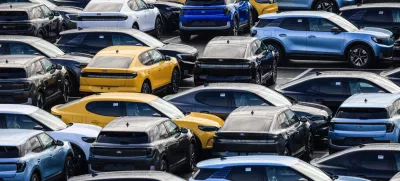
[9,152]
[110,62]
[362,113]
[12,73]
[123,138]
[13,15]
[219,51]
[103,7]
[205,2]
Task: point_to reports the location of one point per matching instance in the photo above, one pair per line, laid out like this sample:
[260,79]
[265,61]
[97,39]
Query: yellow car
[130,69]
[264,7]
[100,109]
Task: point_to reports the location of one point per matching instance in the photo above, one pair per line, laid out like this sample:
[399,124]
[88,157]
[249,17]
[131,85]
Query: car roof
[233,40]
[18,6]
[122,96]
[308,14]
[105,30]
[267,160]
[19,38]
[372,5]
[18,60]
[126,51]
[134,123]
[16,137]
[248,113]
[17,109]
[162,176]
[371,100]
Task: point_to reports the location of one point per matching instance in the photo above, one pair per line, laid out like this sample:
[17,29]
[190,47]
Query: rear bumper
[16,97]
[341,143]
[202,75]
[235,149]
[95,24]
[187,22]
[122,164]
[96,89]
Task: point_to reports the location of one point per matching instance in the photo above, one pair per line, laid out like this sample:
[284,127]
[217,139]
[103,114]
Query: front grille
[205,23]
[357,141]
[14,26]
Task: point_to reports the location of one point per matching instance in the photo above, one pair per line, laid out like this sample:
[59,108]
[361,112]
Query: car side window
[328,86]
[132,4]
[378,15]
[37,13]
[46,11]
[374,160]
[46,140]
[48,66]
[396,15]
[283,173]
[105,108]
[141,4]
[253,48]
[22,49]
[248,99]
[140,109]
[282,121]
[39,68]
[145,59]
[214,98]
[162,131]
[248,173]
[172,128]
[320,25]
[76,40]
[123,39]
[17,121]
[261,46]
[98,40]
[362,86]
[156,56]
[36,147]
[292,117]
[296,24]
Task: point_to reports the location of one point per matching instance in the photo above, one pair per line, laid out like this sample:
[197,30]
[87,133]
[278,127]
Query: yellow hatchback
[130,69]
[264,7]
[100,109]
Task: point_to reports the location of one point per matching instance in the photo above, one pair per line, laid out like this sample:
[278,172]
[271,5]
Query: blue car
[318,5]
[268,167]
[322,35]
[365,118]
[31,155]
[202,16]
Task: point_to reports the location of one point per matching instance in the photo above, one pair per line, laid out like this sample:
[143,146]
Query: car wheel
[35,177]
[81,167]
[175,82]
[278,52]
[135,26]
[158,28]
[250,21]
[287,152]
[66,90]
[257,78]
[146,88]
[40,35]
[359,56]
[39,100]
[164,165]
[184,36]
[68,168]
[274,73]
[331,151]
[234,30]
[307,156]
[326,5]
[191,158]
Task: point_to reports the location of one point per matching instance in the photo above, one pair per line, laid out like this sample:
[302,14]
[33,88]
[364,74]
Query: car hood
[347,178]
[77,58]
[184,49]
[378,32]
[68,9]
[203,119]
[311,108]
[86,130]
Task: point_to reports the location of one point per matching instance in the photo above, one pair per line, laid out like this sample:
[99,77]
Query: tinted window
[292,117]
[140,109]
[9,152]
[282,121]
[374,160]
[362,86]
[163,131]
[362,113]
[103,7]
[219,99]
[247,99]
[123,39]
[204,173]
[220,51]
[283,173]
[51,121]
[145,59]
[46,11]
[16,73]
[22,49]
[72,39]
[35,145]
[132,4]
[47,64]
[378,15]
[123,137]
[105,108]
[297,24]
[13,15]
[168,109]
[156,56]
[320,25]
[396,15]
[39,68]
[204,2]
[48,49]
[104,62]
[171,127]
[37,13]
[17,121]
[46,140]
[263,23]
[97,40]
[141,4]
[248,173]
[328,86]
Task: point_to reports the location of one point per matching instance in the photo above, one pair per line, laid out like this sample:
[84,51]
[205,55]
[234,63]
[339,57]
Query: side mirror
[58,67]
[150,6]
[38,127]
[167,58]
[336,30]
[184,130]
[59,143]
[303,119]
[56,13]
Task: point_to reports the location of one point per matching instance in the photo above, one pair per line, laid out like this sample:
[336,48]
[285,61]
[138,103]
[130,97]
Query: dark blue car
[202,16]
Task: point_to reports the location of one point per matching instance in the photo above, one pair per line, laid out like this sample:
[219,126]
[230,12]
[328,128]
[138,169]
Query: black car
[29,19]
[393,75]
[28,79]
[262,129]
[128,175]
[332,88]
[71,3]
[143,143]
[235,59]
[379,161]
[28,45]
[169,12]
[92,40]
[380,15]
[221,99]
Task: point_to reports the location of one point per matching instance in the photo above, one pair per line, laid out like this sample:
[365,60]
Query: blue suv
[199,16]
[322,35]
[33,155]
[318,5]
[365,118]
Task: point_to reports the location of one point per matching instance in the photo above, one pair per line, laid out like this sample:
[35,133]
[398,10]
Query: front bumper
[383,52]
[84,89]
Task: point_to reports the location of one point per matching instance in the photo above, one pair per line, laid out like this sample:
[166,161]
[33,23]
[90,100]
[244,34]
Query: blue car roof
[308,14]
[371,100]
[16,137]
[265,160]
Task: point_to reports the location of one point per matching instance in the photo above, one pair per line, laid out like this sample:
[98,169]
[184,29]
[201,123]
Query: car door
[94,42]
[181,139]
[42,157]
[261,58]
[164,68]
[298,129]
[142,16]
[171,144]
[152,69]
[373,165]
[101,112]
[44,79]
[283,125]
[216,102]
[39,17]
[293,35]
[52,75]
[53,28]
[320,38]
[56,153]
[151,14]
[357,86]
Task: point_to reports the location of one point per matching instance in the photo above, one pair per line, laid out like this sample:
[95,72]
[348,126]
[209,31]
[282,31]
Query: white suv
[122,13]
[81,136]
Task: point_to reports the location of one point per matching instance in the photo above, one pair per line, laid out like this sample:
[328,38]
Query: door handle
[38,160]
[51,156]
[282,35]
[312,36]
[204,112]
[319,100]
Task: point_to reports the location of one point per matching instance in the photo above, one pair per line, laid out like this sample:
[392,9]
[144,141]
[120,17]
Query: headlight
[88,139]
[208,128]
[376,40]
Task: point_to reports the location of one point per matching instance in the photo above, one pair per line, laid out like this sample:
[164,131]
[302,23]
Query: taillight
[389,127]
[84,74]
[131,75]
[226,11]
[21,167]
[122,18]
[181,12]
[331,127]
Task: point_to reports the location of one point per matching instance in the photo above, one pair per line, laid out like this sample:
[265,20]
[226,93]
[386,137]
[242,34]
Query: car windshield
[343,23]
[49,120]
[103,7]
[219,51]
[166,108]
[311,171]
[45,2]
[274,98]
[204,2]
[148,40]
[47,48]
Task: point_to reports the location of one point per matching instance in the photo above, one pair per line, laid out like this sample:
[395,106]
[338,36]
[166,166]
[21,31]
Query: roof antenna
[127,124]
[252,112]
[116,51]
[6,61]
[10,6]
[227,41]
[318,73]
[223,157]
[365,100]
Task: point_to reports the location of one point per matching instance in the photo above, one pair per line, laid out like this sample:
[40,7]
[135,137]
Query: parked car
[80,136]
[202,16]
[363,119]
[393,75]
[381,15]
[28,45]
[124,175]
[67,13]
[73,3]
[34,155]
[103,108]
[370,161]
[253,168]
[132,69]
[169,12]
[396,177]
[32,80]
[145,143]
[310,35]
[92,40]
[134,14]
[236,59]
[317,5]
[333,88]
[264,130]
[29,19]
[221,99]
[396,51]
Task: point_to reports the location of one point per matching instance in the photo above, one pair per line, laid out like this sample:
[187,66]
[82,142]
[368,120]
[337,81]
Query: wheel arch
[273,40]
[357,42]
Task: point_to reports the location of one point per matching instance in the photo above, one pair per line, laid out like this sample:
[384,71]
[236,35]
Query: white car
[122,13]
[81,136]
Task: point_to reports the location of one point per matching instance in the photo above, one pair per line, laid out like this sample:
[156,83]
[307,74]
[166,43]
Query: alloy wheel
[66,90]
[175,81]
[359,57]
[34,178]
[146,88]
[275,50]
[39,100]
[159,28]
[235,28]
[325,6]
[192,160]
[69,170]
[163,165]
[274,70]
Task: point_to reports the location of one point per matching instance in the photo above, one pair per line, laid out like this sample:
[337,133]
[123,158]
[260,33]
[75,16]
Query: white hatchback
[122,13]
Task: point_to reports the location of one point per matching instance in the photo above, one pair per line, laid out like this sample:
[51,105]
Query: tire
[146,87]
[173,88]
[257,78]
[158,28]
[234,30]
[326,5]
[359,56]
[81,166]
[278,52]
[35,177]
[274,71]
[163,165]
[39,100]
[250,22]
[40,35]
[66,90]
[69,169]
[135,26]
[308,154]
[192,159]
[287,152]
[185,37]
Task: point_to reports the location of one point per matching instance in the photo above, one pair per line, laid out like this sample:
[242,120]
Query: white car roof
[17,109]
